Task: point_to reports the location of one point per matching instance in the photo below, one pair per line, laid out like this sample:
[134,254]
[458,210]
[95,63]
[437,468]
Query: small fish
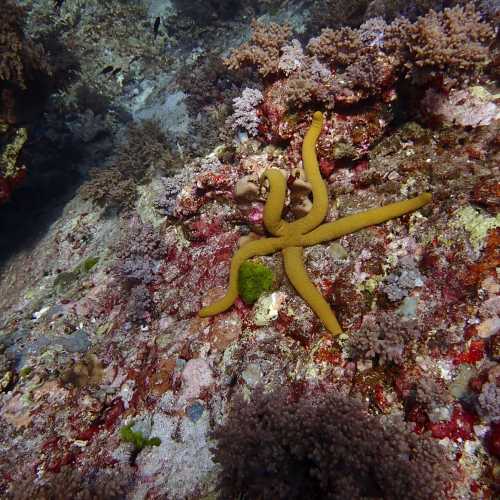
[107,70]
[156,26]
[58,4]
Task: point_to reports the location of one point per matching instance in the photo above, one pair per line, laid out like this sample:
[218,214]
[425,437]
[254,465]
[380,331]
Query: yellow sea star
[291,237]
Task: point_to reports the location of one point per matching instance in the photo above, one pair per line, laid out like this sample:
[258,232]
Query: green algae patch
[254,279]
[476,224]
[137,438]
[25,372]
[88,264]
[64,280]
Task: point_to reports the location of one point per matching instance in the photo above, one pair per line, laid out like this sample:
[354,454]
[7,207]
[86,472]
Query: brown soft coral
[338,47]
[115,185]
[263,50]
[452,43]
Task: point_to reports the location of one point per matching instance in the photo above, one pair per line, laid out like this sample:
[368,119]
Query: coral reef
[324,446]
[453,43]
[103,272]
[291,237]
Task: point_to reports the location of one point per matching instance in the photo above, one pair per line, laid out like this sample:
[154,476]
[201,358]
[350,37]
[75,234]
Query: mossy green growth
[86,265]
[25,371]
[64,280]
[254,279]
[89,263]
[136,438]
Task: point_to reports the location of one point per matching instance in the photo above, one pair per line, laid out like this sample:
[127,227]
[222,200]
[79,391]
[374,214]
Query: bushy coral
[145,149]
[356,64]
[264,49]
[109,187]
[368,73]
[245,111]
[324,446]
[383,339]
[300,90]
[453,43]
[338,47]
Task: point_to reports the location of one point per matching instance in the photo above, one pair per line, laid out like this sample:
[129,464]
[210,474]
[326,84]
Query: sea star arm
[264,246]
[273,209]
[297,275]
[318,187]
[355,222]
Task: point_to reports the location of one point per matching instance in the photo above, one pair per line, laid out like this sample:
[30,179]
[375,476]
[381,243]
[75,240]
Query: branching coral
[324,446]
[339,47]
[291,237]
[452,43]
[263,50]
[115,186]
[245,111]
[384,339]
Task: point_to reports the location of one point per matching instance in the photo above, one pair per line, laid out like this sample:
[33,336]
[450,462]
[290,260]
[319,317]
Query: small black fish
[107,70]
[116,71]
[156,26]
[58,4]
